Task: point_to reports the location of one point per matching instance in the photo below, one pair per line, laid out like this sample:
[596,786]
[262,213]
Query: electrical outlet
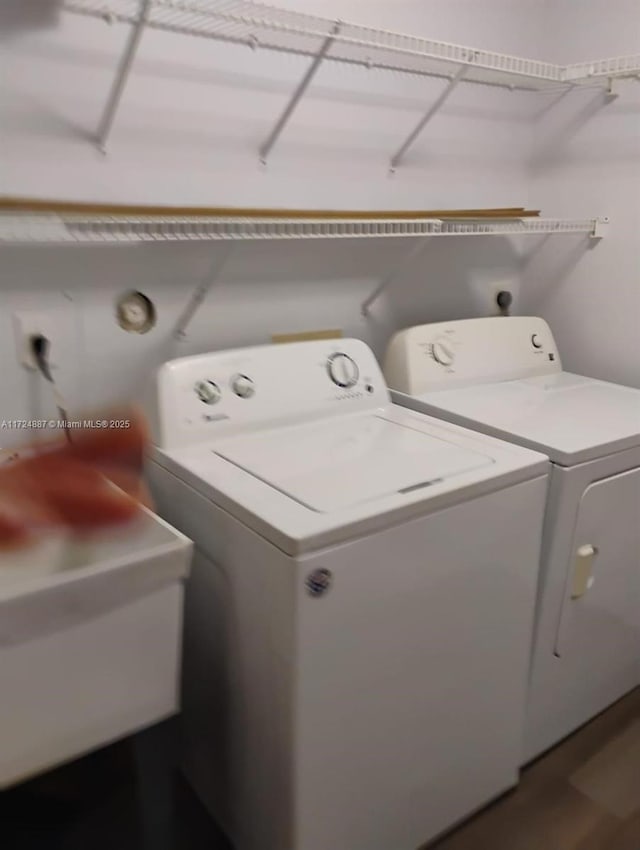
[27,325]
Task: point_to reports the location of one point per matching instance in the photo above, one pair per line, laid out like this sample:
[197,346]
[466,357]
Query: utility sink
[90,642]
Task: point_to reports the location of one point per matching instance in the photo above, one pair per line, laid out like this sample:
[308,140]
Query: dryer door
[600,617]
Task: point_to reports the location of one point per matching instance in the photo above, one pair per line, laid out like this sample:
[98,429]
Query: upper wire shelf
[60,229]
[260,25]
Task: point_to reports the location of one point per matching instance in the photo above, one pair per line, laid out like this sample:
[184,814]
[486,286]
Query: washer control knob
[208,392]
[343,370]
[242,386]
[442,352]
[535,341]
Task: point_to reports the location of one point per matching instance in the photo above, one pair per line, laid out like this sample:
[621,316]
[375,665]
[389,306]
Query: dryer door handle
[583,577]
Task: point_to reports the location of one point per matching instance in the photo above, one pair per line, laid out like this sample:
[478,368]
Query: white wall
[187,132]
[587,160]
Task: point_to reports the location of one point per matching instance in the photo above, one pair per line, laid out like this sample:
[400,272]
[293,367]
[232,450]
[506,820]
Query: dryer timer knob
[443,353]
[343,370]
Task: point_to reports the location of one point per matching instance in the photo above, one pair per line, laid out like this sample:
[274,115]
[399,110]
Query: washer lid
[570,418]
[333,465]
[317,483]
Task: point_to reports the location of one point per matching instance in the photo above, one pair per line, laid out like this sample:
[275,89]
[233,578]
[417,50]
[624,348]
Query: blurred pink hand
[63,484]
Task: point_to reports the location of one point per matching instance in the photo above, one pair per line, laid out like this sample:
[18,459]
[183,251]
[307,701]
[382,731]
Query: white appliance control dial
[207,391]
[242,386]
[343,370]
[443,352]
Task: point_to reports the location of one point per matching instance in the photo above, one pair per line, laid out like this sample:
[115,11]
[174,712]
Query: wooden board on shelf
[305,336]
[34,205]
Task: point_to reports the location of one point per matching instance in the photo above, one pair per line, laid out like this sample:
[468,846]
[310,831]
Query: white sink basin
[90,642]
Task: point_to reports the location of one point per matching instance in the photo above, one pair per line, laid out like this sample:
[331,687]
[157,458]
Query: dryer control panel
[226,392]
[449,355]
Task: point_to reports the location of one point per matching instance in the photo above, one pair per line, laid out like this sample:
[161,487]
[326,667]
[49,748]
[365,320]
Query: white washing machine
[503,376]
[360,609]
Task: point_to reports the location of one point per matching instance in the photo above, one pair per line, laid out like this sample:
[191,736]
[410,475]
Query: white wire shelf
[619,67]
[260,25]
[30,228]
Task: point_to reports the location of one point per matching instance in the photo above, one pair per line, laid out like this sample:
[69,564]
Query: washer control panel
[471,351]
[225,392]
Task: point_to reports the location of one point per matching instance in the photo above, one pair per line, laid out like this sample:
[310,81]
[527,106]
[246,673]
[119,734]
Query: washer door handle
[583,577]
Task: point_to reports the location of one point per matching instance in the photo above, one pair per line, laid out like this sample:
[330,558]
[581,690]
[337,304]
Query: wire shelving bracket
[404,147]
[200,294]
[296,97]
[396,272]
[122,75]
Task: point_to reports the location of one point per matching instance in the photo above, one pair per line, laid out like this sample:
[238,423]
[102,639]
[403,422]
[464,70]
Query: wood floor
[582,795]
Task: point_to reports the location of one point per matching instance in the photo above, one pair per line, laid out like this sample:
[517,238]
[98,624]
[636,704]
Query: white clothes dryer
[503,376]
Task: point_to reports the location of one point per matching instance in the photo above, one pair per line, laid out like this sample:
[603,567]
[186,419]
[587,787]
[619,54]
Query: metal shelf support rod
[296,97]
[197,299]
[396,272]
[399,154]
[122,75]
